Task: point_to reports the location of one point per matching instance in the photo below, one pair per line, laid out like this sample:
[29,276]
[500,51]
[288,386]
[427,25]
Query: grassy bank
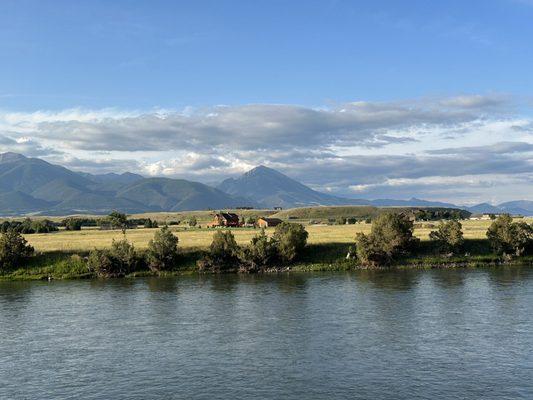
[325,256]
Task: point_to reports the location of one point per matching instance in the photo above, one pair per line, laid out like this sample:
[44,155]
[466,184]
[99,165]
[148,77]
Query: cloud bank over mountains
[465,149]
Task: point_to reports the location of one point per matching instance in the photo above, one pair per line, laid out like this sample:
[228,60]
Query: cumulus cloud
[475,102]
[256,126]
[496,148]
[382,148]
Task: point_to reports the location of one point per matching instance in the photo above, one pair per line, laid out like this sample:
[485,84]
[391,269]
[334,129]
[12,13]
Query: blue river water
[440,334]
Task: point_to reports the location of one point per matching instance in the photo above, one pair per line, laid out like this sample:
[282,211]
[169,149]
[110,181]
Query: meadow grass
[60,255]
[189,238]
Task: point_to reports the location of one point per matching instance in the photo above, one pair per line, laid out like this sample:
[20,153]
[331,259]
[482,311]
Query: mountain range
[34,186]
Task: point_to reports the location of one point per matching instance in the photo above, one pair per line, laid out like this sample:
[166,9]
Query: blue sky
[141,54]
[457,72]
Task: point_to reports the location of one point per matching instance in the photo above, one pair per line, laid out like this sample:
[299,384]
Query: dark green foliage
[391,236]
[251,220]
[192,222]
[351,220]
[437,214]
[223,253]
[368,251]
[13,249]
[162,252]
[262,253]
[148,223]
[393,233]
[73,224]
[101,263]
[125,255]
[510,238]
[449,237]
[117,220]
[28,226]
[43,226]
[290,240]
[120,260]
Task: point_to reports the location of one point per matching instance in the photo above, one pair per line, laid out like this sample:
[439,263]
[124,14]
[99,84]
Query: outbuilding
[268,222]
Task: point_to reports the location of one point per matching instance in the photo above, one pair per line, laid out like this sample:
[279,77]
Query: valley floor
[59,255]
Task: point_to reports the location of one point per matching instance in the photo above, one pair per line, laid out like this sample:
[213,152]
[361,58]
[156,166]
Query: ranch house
[225,219]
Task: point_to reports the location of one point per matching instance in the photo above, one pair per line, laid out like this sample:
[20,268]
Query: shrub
[24,226]
[43,226]
[510,238]
[262,252]
[193,222]
[391,235]
[101,263]
[116,220]
[28,226]
[367,251]
[448,236]
[13,249]
[120,260]
[73,224]
[340,221]
[123,252]
[148,223]
[290,240]
[162,250]
[223,253]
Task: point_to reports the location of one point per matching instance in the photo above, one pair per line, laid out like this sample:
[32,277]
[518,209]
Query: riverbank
[59,265]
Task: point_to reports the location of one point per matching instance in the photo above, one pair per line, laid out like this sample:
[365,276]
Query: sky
[364,99]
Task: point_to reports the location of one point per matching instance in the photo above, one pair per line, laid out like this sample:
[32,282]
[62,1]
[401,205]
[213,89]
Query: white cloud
[367,146]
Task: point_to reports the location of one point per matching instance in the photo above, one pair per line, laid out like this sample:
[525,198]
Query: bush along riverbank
[389,245]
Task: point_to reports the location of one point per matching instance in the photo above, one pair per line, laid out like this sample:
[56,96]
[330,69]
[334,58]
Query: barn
[225,219]
[268,222]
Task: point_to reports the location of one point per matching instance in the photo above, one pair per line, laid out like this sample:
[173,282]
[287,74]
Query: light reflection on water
[449,334]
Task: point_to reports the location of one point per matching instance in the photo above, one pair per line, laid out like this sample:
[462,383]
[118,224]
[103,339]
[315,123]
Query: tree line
[391,237]
[162,254]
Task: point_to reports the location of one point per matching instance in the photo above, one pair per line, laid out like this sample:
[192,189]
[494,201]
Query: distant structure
[484,217]
[245,208]
[225,219]
[278,208]
[268,222]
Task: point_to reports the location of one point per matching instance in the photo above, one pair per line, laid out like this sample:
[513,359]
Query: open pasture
[191,238]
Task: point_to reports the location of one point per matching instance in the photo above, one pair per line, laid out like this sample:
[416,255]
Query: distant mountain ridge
[270,188]
[34,186]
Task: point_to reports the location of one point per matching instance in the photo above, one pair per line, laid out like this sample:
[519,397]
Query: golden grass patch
[88,239]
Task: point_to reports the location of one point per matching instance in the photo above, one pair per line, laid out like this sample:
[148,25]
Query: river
[439,334]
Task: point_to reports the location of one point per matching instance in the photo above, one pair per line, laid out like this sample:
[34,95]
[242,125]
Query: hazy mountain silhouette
[32,185]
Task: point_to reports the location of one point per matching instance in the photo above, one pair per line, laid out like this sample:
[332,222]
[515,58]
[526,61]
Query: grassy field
[194,238]
[60,254]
